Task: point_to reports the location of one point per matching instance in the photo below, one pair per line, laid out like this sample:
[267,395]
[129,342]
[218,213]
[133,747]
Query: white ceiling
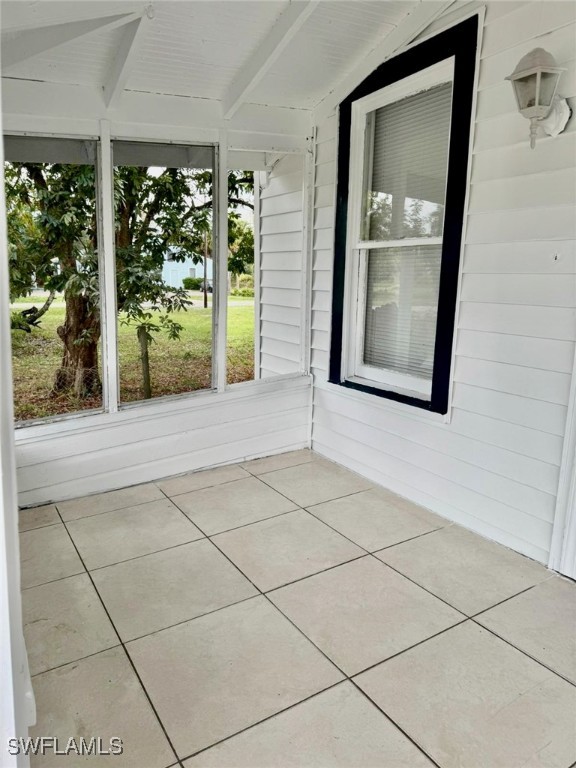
[197,47]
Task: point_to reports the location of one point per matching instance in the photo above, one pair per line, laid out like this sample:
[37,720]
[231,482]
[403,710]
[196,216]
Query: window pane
[401,309]
[54,283]
[240,334]
[406,164]
[163,196]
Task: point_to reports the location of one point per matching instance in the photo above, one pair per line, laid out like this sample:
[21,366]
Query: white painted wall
[281,264]
[494,466]
[90,454]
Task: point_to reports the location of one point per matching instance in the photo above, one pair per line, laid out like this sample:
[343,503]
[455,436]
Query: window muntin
[398,173]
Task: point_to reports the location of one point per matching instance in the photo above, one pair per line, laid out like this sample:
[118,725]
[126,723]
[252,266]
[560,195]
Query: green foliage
[192,283]
[240,245]
[242,292]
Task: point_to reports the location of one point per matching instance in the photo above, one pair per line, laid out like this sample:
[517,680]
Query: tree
[240,245]
[53,226]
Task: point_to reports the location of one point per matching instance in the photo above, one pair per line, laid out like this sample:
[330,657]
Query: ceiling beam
[407,30]
[128,50]
[20,46]
[284,29]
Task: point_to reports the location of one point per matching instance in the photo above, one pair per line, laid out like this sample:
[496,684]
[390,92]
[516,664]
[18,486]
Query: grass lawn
[177,366]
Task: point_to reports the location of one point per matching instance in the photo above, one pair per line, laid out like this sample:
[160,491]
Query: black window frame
[461,42]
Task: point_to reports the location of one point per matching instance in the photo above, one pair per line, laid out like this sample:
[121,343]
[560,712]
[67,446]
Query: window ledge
[383,404]
[158,408]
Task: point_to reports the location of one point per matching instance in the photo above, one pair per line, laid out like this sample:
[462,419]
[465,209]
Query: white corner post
[257,296]
[307,254]
[17,708]
[107,269]
[563,546]
[220,251]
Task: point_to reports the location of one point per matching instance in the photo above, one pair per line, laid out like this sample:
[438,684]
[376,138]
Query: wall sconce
[535,82]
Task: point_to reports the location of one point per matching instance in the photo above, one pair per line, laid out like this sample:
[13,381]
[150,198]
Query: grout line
[409,648]
[191,618]
[74,661]
[506,599]
[316,573]
[54,581]
[249,475]
[36,527]
[128,657]
[244,525]
[336,498]
[278,469]
[264,720]
[525,653]
[147,554]
[104,512]
[459,610]
[395,724]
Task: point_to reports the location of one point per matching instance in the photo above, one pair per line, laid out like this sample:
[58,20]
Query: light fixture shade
[535,82]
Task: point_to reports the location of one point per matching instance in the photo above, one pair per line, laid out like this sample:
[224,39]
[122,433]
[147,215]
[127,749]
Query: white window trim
[353,368]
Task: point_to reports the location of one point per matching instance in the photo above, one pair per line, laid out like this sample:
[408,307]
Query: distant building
[173,272]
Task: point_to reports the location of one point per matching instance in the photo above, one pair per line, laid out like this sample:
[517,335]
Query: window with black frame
[402,175]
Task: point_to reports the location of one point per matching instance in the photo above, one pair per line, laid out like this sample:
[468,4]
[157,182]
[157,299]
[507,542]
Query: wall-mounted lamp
[535,82]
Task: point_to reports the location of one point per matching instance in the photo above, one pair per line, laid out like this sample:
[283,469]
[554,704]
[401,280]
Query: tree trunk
[78,372]
[145,360]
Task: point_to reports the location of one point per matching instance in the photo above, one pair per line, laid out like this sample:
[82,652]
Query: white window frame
[355,291]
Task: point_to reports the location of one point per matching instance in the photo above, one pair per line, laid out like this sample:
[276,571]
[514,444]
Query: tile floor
[286,613]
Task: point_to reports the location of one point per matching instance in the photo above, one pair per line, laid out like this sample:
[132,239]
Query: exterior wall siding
[494,465]
[98,453]
[281,264]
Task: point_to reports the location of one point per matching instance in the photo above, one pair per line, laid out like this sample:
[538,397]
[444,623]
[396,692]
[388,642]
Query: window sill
[156,408]
[377,399]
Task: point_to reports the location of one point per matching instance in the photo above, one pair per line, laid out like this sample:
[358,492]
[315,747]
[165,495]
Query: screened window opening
[163,230]
[241,288]
[50,187]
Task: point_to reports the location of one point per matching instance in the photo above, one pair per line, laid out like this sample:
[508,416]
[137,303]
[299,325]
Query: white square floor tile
[194,481]
[338,728]
[469,572]
[214,676]
[376,518]
[99,696]
[472,701]
[64,621]
[280,550]
[126,533]
[279,461]
[109,501]
[47,554]
[362,612]
[231,505]
[540,622]
[168,587]
[315,482]
[37,517]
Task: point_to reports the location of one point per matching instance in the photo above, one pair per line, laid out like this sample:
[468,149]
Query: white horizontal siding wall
[281,260]
[494,467]
[103,452]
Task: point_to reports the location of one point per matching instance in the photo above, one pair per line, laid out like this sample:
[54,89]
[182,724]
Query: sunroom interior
[256,523]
